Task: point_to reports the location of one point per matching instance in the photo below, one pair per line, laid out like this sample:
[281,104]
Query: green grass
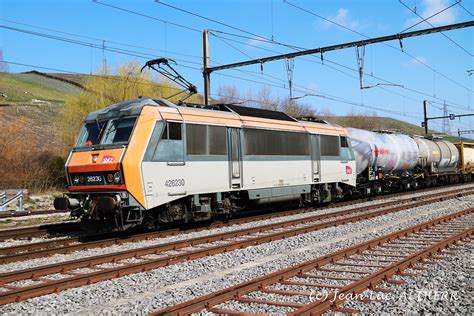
[27,87]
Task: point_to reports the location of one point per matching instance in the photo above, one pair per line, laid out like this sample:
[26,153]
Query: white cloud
[311,87]
[415,61]
[342,18]
[257,41]
[418,60]
[430,7]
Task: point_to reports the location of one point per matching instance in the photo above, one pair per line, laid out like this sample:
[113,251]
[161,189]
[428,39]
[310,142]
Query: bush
[24,164]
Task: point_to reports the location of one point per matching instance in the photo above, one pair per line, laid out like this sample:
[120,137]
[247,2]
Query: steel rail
[209,301]
[19,233]
[40,230]
[20,293]
[64,246]
[7,214]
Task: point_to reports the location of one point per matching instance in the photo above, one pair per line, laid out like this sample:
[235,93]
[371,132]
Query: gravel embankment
[8,223]
[54,218]
[445,288]
[145,292]
[152,242]
[146,243]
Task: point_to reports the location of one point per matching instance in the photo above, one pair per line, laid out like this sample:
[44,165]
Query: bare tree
[326,111]
[295,109]
[264,97]
[229,94]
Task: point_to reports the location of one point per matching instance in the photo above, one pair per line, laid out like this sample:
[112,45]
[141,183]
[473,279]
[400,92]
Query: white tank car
[468,162]
[437,155]
[393,153]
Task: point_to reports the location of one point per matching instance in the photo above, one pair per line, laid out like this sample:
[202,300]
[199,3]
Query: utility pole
[471,131]
[425,121]
[206,63]
[444,117]
[446,125]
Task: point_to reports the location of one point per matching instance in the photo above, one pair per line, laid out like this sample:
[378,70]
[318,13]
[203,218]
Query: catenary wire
[386,44]
[320,94]
[260,38]
[96,39]
[255,36]
[450,103]
[426,21]
[465,9]
[147,16]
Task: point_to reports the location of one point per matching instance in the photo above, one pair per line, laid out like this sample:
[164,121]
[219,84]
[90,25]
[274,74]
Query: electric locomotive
[148,162]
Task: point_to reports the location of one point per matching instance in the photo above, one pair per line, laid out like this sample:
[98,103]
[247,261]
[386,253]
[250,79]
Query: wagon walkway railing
[5,202]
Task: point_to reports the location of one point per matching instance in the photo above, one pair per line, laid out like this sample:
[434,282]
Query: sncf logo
[107,159]
[348,170]
[94,157]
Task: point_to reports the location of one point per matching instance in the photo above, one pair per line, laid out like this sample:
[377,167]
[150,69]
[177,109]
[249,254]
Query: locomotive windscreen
[109,132]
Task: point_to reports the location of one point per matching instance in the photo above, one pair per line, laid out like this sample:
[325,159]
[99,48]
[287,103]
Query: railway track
[7,214]
[368,264]
[68,245]
[41,230]
[113,265]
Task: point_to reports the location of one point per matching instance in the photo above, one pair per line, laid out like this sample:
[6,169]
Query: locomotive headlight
[117,177]
[78,180]
[75,180]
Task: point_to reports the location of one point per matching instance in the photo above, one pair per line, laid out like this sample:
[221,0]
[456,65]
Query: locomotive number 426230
[174,183]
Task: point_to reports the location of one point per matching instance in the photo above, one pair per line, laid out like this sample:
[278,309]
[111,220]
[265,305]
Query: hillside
[35,101]
[34,89]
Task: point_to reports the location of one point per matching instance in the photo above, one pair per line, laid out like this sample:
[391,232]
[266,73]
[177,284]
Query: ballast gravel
[57,258]
[31,263]
[144,292]
[444,288]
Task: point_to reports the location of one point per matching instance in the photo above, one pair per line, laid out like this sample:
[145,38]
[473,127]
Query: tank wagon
[393,161]
[151,162]
[466,151]
[383,159]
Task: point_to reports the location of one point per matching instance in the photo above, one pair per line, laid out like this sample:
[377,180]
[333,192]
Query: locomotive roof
[126,108]
[135,106]
[268,114]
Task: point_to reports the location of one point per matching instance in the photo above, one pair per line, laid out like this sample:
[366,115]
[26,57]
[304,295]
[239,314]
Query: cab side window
[346,152]
[166,143]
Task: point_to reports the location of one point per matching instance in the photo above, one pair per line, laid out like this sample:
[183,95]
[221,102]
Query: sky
[433,67]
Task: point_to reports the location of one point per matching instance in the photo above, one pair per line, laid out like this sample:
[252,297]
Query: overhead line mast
[399,36]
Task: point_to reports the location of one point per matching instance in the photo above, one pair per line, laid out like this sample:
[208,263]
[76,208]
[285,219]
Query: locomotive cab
[97,183]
